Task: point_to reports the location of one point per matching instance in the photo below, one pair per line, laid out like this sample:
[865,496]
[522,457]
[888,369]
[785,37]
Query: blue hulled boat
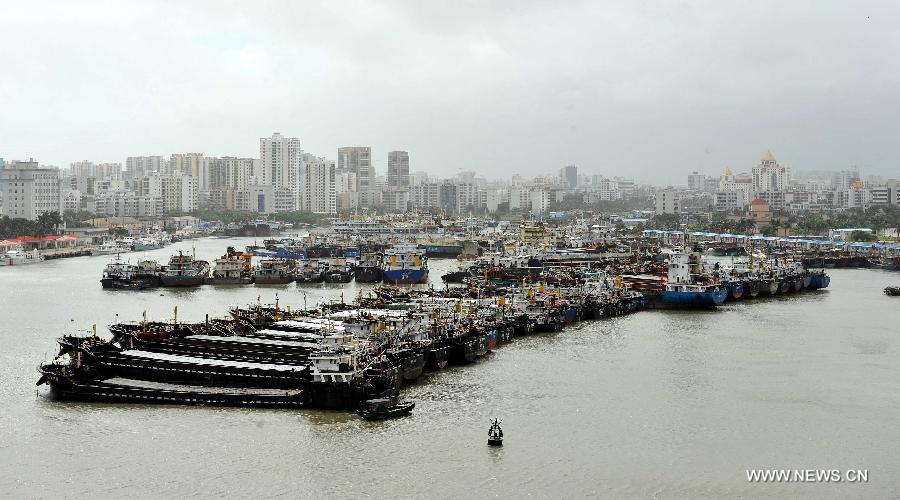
[694,295]
[819,280]
[735,289]
[405,263]
[688,286]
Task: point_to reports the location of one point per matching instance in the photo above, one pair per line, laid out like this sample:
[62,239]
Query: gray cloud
[646,89]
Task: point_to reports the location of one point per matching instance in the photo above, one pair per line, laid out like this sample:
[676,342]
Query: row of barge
[335,357]
[401,264]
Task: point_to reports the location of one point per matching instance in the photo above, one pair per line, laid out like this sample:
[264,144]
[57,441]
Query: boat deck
[193,360]
[255,340]
[198,389]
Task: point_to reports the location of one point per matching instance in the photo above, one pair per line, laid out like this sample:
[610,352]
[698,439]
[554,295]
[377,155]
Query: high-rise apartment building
[184,164]
[232,173]
[398,170]
[668,201]
[320,186]
[345,190]
[112,171]
[358,160]
[769,176]
[139,166]
[281,165]
[179,192]
[83,169]
[145,163]
[425,195]
[845,178]
[696,181]
[569,176]
[28,190]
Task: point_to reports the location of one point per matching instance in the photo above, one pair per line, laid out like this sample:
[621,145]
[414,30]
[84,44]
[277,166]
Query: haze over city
[648,91]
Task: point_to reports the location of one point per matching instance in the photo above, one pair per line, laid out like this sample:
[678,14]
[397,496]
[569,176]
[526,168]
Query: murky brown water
[657,404]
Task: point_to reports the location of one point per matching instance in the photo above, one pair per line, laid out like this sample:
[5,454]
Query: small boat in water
[893,291]
[109,248]
[17,257]
[381,409]
[495,433]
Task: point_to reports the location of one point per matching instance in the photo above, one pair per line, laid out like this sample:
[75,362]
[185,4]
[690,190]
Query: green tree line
[46,224]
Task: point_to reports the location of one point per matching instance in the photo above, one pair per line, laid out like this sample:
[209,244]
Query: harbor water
[670,404]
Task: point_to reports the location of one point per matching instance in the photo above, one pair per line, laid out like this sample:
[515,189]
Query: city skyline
[381,166]
[633,93]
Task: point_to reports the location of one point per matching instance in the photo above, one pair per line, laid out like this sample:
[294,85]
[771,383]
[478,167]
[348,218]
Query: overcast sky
[650,90]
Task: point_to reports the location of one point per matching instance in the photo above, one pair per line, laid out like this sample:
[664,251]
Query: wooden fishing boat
[381,409]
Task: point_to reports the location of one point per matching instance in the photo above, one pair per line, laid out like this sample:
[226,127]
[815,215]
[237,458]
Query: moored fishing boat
[465,350]
[438,357]
[19,257]
[233,268]
[275,272]
[368,270]
[120,275]
[819,280]
[110,247]
[339,271]
[405,263]
[735,289]
[442,249]
[410,361]
[768,285]
[310,271]
[184,270]
[688,287]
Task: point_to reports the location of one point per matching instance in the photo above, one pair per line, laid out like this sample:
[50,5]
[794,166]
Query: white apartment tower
[769,176]
[139,166]
[28,190]
[281,165]
[320,186]
[179,192]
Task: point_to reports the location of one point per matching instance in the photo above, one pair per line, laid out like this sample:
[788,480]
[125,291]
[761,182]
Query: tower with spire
[769,176]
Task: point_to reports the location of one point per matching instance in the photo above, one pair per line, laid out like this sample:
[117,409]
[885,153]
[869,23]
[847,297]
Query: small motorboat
[893,291]
[381,409]
[495,433]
